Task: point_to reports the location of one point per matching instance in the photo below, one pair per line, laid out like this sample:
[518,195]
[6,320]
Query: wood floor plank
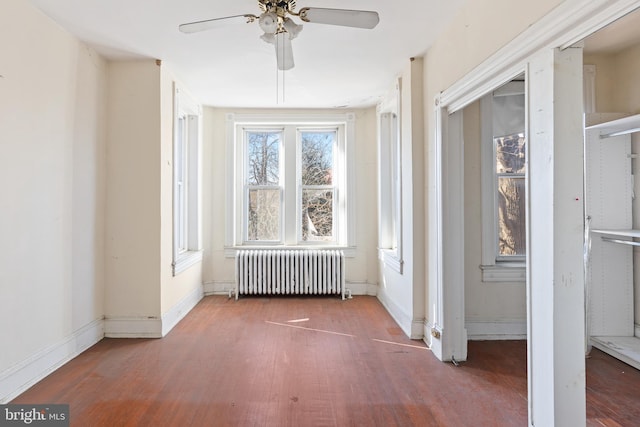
[309,362]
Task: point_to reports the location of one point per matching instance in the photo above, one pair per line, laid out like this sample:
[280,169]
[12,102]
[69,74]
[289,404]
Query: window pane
[263,149]
[317,157]
[510,153]
[317,215]
[511,216]
[264,215]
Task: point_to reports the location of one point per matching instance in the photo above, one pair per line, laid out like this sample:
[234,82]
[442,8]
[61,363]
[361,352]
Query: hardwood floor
[309,362]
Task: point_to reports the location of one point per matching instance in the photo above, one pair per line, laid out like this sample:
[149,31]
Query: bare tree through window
[263,182]
[510,168]
[318,191]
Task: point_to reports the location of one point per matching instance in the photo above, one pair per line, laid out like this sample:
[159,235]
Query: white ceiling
[232,67]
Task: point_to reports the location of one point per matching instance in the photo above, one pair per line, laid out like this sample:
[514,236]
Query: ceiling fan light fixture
[268,21]
[292,28]
[269,38]
[284,52]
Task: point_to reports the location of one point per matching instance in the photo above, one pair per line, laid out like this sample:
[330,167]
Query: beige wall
[140,282]
[218,271]
[52,126]
[618,90]
[133,190]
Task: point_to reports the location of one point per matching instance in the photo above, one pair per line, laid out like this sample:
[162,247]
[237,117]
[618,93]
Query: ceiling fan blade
[344,17]
[284,51]
[208,24]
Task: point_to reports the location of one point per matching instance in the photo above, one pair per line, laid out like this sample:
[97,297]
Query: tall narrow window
[317,150]
[263,186]
[510,184]
[186,183]
[181,168]
[504,161]
[390,181]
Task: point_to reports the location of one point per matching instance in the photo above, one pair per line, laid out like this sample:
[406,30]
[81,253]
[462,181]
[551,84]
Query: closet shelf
[620,233]
[623,126]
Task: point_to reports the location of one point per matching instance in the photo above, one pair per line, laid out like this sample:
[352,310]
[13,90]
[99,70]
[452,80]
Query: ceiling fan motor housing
[281,7]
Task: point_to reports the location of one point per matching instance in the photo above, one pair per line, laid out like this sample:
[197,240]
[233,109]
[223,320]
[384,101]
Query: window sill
[504,272]
[390,259]
[186,260]
[349,251]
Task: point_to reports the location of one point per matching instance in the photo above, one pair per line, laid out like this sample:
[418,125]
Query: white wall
[403,294]
[52,126]
[218,270]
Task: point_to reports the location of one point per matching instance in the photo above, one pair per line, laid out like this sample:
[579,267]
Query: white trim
[413,328]
[589,88]
[362,288]
[190,159]
[449,237]
[478,330]
[219,287]
[186,260]
[151,327]
[18,378]
[349,199]
[568,23]
[231,229]
[132,327]
[504,273]
[426,332]
[487,183]
[637,330]
[390,259]
[390,216]
[176,313]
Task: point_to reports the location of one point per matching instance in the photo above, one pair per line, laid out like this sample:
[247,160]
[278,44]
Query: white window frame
[246,188]
[495,268]
[338,183]
[187,149]
[390,180]
[291,229]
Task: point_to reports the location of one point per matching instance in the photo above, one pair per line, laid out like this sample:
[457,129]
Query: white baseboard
[412,328]
[20,377]
[176,313]
[496,330]
[223,288]
[151,327]
[362,288]
[637,330]
[218,287]
[427,327]
[132,327]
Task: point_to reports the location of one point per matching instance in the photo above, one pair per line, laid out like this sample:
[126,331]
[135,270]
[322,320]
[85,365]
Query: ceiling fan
[279,29]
